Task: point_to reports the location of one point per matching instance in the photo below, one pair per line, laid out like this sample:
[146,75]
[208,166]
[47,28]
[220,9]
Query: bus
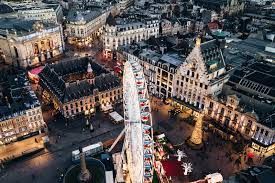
[89,150]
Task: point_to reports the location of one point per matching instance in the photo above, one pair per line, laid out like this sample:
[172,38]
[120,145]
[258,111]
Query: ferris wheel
[138,143]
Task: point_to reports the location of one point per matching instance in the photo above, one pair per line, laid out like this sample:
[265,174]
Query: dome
[79,16]
[4,8]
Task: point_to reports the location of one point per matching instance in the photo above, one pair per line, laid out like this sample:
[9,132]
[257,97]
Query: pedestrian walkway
[20,148]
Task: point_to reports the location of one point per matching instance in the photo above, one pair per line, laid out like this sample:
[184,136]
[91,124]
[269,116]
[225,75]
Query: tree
[196,137]
[187,167]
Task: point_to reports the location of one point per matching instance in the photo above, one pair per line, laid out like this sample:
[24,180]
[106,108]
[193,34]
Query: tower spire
[198,41]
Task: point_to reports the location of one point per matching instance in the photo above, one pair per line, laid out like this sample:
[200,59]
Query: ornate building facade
[159,70]
[20,114]
[222,7]
[202,73]
[28,43]
[126,31]
[84,26]
[77,86]
[246,106]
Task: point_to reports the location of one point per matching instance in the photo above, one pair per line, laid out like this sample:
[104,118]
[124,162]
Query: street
[216,156]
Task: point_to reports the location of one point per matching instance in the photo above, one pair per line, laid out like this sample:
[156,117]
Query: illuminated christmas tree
[196,137]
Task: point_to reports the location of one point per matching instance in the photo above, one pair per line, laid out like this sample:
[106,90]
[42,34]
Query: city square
[149,91]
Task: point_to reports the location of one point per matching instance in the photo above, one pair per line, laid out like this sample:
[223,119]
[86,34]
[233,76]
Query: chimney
[67,85]
[163,49]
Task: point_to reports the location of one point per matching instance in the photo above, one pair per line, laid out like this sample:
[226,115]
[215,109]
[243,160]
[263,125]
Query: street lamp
[88,114]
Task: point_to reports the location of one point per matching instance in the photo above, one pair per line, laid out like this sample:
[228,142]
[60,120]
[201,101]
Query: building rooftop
[21,6]
[212,55]
[4,8]
[173,59]
[77,16]
[17,97]
[20,27]
[259,174]
[69,80]
[255,86]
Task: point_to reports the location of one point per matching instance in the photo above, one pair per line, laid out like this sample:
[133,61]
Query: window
[211,105]
[206,87]
[193,74]
[188,72]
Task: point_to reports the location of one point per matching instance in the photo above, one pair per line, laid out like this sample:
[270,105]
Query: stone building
[222,7]
[37,11]
[123,31]
[20,111]
[28,43]
[201,74]
[81,85]
[246,105]
[83,26]
[159,70]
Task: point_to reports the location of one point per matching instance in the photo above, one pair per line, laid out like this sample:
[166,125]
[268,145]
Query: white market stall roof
[106,108]
[117,117]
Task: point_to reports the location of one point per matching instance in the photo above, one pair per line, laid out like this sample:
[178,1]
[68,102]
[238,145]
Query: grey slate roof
[18,93]
[52,78]
[4,8]
[212,54]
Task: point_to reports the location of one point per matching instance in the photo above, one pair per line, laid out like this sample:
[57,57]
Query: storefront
[184,106]
[263,149]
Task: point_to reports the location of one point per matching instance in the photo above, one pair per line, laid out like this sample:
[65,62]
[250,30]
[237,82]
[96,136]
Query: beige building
[83,27]
[203,73]
[124,31]
[79,86]
[28,43]
[173,26]
[20,116]
[246,106]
